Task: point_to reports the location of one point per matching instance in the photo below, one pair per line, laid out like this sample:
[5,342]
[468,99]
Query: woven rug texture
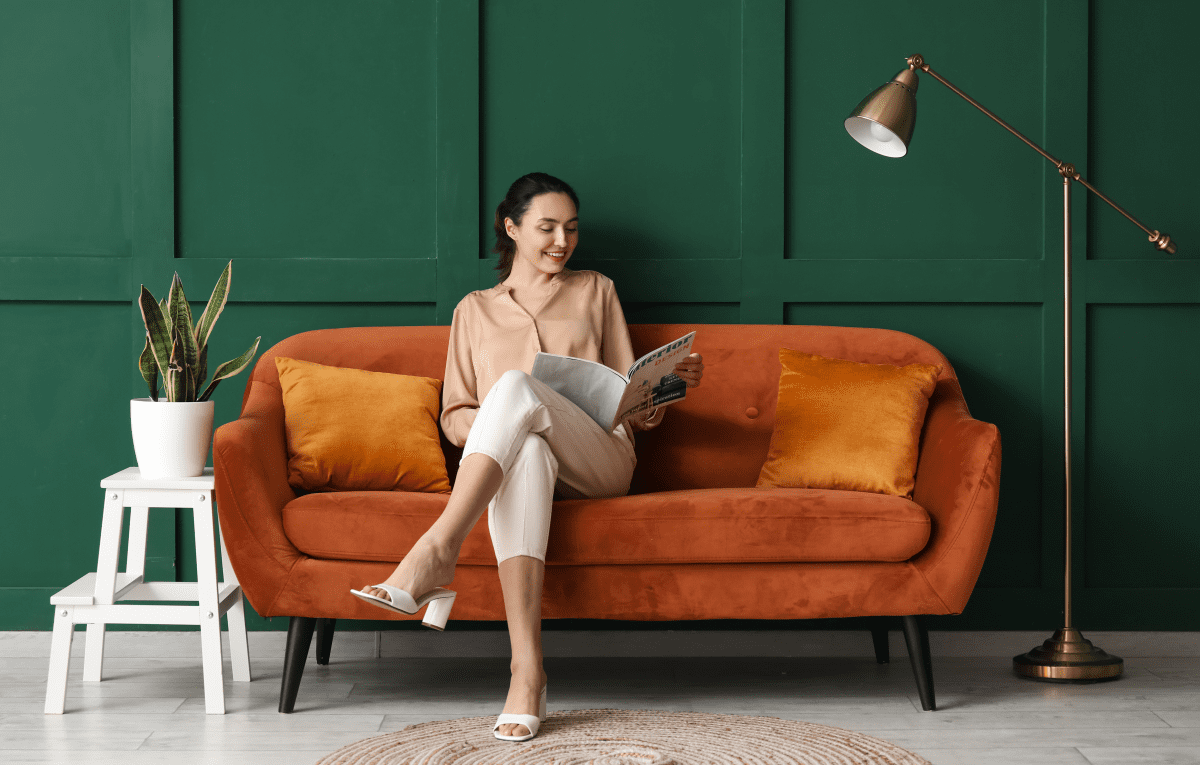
[627,737]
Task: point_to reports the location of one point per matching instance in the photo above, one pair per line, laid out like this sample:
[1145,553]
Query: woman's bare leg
[430,562]
[521,579]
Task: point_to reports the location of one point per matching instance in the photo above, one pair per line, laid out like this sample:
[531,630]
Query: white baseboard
[779,643]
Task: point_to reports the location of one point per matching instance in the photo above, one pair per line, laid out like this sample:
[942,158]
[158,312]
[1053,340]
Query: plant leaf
[181,328]
[216,304]
[230,368]
[202,367]
[176,373]
[157,331]
[149,369]
[189,379]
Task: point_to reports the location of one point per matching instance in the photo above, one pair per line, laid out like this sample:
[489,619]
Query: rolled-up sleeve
[459,398]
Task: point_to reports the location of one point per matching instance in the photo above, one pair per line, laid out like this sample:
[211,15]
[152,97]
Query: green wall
[347,156]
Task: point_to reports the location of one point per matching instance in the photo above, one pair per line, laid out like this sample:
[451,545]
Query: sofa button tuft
[752,412]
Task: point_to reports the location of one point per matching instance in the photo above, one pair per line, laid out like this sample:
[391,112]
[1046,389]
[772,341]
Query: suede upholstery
[694,540]
[847,425]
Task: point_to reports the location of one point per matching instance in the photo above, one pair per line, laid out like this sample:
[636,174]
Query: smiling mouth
[556,255]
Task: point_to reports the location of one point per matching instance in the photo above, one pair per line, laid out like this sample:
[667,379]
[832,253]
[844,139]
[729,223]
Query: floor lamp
[884,123]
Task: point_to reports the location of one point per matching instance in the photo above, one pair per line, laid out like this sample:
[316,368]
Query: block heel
[438,612]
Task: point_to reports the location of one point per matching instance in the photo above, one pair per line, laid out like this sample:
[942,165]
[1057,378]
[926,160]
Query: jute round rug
[627,737]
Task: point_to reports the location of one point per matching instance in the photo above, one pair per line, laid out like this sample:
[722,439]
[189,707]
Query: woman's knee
[536,453]
[513,379]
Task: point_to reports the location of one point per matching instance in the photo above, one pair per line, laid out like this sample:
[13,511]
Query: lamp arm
[1160,240]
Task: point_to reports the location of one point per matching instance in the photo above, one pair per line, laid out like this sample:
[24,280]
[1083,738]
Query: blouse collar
[556,281]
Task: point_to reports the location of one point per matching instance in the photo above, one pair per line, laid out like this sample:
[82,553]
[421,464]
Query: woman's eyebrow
[555,220]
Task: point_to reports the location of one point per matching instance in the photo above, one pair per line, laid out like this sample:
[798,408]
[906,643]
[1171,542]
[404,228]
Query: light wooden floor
[150,706]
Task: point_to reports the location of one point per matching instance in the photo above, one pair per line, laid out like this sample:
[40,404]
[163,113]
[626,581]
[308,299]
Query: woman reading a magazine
[523,442]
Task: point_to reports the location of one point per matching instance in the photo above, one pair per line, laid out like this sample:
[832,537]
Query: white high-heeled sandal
[529,721]
[440,601]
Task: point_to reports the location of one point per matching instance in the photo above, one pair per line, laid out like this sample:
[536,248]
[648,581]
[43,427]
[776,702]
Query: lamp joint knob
[1163,242]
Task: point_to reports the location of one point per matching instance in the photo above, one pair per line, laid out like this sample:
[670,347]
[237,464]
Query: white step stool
[94,599]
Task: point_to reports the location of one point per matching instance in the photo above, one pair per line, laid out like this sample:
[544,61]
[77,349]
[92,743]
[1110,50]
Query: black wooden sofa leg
[299,638]
[916,636]
[879,635]
[324,639]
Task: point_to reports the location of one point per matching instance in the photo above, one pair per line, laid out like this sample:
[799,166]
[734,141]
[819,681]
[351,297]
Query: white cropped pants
[540,440]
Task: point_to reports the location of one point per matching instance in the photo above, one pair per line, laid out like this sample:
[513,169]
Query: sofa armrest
[958,484]
[250,469]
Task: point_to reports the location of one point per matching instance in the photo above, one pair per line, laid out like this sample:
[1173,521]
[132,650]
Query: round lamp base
[1068,658]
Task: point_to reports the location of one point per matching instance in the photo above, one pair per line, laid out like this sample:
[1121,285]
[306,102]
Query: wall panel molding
[316,280]
[994,303]
[56,277]
[457,94]
[762,218]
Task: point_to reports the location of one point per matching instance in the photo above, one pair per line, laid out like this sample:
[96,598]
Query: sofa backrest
[717,437]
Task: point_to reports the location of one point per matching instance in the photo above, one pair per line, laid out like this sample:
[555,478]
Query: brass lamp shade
[884,120]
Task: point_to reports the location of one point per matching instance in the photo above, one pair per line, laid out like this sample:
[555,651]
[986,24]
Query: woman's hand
[690,370]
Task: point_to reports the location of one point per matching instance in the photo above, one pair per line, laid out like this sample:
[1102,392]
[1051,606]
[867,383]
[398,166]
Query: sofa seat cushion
[690,526]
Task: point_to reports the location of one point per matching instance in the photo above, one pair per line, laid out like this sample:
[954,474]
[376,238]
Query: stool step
[82,592]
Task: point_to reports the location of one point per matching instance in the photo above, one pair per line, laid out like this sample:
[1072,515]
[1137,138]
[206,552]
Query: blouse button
[752,412]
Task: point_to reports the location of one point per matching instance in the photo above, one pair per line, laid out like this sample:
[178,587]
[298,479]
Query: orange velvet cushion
[847,425]
[350,429]
[694,526]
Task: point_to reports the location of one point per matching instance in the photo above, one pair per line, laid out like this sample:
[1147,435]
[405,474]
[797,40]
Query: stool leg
[93,653]
[239,649]
[60,659]
[106,579]
[135,551]
[210,616]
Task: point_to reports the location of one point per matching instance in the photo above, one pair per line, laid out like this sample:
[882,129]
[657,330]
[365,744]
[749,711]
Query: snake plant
[176,351]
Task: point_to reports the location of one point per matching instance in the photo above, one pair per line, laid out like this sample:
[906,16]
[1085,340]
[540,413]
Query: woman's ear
[510,228]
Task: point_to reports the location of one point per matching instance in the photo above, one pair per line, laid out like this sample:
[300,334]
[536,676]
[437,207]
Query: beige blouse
[490,334]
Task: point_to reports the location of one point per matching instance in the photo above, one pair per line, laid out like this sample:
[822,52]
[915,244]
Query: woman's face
[548,232]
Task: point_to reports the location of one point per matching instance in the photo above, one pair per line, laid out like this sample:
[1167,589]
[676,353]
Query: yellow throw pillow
[847,425]
[354,430]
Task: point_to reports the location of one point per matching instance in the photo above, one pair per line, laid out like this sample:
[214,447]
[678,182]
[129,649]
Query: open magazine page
[592,387]
[652,379]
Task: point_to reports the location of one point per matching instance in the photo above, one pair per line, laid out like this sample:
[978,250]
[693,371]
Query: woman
[525,441]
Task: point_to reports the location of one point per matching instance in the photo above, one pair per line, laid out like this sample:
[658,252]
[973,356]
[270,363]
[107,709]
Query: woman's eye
[572,231]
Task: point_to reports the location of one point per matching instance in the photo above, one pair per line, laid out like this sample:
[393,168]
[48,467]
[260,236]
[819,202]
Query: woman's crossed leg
[526,439]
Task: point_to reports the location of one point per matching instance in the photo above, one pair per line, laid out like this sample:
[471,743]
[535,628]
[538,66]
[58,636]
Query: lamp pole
[883,122]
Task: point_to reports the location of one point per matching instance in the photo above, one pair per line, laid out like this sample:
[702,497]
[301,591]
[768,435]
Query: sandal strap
[401,600]
[529,721]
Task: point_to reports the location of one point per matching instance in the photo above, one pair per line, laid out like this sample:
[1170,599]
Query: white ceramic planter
[171,439]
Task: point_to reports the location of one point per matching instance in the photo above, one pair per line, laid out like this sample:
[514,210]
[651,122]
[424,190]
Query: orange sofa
[693,540]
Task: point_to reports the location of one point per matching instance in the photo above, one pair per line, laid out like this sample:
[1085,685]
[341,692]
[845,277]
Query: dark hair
[516,204]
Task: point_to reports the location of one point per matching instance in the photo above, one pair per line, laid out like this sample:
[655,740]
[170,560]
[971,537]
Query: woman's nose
[560,237]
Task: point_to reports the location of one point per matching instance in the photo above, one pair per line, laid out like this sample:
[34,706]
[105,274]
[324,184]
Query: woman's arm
[459,402]
[616,350]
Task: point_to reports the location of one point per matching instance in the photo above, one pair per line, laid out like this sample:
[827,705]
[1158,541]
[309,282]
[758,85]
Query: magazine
[605,394]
